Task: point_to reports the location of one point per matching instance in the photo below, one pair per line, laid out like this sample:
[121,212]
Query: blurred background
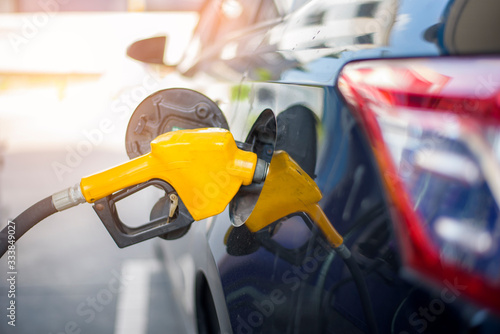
[67,90]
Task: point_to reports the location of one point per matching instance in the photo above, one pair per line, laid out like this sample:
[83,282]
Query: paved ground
[71,277]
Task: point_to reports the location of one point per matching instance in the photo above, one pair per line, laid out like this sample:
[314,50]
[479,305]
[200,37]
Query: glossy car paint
[285,278]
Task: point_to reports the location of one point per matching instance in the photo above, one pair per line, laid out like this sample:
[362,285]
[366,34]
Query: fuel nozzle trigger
[174,218]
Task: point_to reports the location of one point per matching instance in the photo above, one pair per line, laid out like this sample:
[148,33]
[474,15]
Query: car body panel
[285,278]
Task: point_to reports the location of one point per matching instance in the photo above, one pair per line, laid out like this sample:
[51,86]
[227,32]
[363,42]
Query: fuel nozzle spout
[261,171]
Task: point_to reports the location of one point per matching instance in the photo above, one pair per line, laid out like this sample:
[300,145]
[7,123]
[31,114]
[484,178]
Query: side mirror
[150,51]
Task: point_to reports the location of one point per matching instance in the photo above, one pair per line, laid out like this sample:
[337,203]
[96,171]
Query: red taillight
[434,126]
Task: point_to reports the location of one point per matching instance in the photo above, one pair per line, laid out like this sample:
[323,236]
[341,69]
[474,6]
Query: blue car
[390,111]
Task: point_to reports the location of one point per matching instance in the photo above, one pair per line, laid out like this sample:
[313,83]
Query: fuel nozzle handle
[204,166]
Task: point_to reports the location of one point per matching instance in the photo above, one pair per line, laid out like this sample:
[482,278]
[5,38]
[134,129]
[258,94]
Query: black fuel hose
[359,281]
[26,220]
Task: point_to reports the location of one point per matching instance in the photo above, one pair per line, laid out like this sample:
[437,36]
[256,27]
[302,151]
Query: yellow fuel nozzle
[289,189]
[204,166]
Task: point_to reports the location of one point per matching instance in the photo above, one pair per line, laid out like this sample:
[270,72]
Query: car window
[241,14]
[267,11]
[234,15]
[288,6]
[228,29]
[219,18]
